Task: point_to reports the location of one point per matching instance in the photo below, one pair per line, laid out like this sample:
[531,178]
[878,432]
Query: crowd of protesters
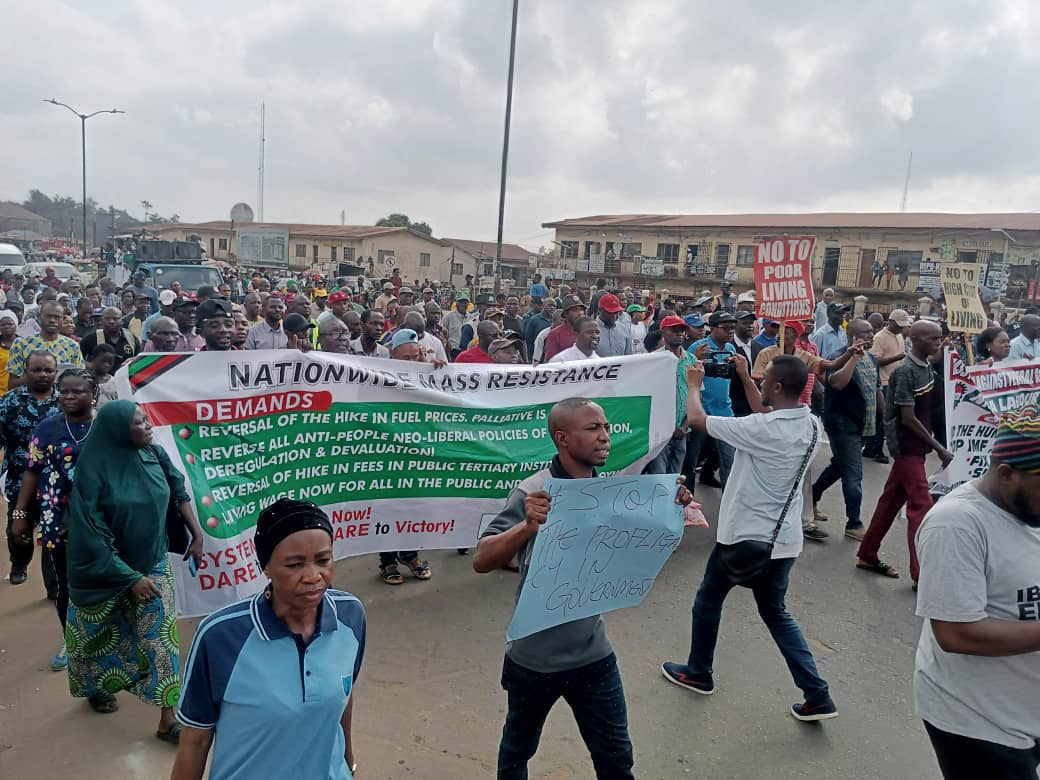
[750,391]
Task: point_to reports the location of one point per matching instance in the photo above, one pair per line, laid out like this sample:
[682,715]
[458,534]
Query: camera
[718,370]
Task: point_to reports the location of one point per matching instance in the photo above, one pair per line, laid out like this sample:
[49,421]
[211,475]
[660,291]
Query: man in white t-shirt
[771,451]
[977,671]
[586,339]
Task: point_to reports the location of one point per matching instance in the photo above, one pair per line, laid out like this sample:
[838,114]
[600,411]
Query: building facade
[891,258]
[323,248]
[513,270]
[17,221]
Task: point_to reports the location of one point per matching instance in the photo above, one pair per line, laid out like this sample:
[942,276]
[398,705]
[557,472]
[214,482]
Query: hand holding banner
[601,548]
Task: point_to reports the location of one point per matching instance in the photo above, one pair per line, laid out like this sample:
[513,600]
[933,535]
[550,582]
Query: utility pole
[906,184]
[83,144]
[505,144]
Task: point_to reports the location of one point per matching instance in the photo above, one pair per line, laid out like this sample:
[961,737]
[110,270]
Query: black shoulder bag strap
[798,480]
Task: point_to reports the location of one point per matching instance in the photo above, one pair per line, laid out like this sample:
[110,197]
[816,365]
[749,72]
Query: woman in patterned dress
[49,472]
[121,631]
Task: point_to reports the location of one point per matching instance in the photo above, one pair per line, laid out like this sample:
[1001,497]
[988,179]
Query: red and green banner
[400,455]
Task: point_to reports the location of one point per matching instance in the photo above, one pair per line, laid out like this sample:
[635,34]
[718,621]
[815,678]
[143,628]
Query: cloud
[661,105]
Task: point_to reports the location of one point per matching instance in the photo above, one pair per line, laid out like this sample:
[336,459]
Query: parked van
[11,257]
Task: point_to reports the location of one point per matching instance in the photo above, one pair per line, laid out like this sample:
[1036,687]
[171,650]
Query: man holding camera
[716,351]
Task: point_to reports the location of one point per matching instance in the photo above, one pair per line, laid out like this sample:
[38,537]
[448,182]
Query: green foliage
[402,220]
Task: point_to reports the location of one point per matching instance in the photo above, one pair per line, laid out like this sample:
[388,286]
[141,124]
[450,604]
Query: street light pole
[505,146]
[83,144]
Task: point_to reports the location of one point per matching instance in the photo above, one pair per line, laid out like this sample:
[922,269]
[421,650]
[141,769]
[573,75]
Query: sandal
[880,567]
[390,575]
[105,703]
[420,568]
[171,735]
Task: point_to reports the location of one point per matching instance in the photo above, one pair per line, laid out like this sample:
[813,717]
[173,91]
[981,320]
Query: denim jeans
[597,699]
[769,591]
[670,459]
[847,465]
[696,441]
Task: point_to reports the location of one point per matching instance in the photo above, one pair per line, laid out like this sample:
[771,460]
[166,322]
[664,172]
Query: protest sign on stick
[960,286]
[783,278]
[600,549]
[402,456]
[976,397]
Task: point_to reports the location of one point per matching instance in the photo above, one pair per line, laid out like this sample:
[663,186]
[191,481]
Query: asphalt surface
[429,704]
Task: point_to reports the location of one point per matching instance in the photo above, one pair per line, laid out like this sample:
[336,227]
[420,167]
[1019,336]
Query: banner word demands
[600,549]
[783,278]
[960,286]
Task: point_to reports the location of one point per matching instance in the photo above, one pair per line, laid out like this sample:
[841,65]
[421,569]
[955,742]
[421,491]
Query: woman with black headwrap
[268,680]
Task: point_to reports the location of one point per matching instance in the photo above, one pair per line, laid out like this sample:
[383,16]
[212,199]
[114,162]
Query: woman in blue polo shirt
[268,680]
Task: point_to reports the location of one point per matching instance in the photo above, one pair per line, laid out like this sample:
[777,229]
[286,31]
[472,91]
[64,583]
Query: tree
[402,220]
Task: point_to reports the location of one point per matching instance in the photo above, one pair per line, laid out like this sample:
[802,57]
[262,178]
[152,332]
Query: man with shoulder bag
[760,531]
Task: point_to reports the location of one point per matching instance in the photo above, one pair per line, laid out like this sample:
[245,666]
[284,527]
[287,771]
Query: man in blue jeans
[851,396]
[768,468]
[573,660]
[716,347]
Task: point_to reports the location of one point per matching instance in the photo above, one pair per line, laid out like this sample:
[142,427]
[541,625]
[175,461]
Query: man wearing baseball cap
[889,348]
[215,322]
[637,314]
[831,339]
[453,321]
[673,337]
[615,336]
[166,301]
[725,300]
[716,347]
[385,298]
[297,332]
[507,349]
[562,336]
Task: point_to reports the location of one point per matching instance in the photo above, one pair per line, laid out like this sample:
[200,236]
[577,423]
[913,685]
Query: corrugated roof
[886,220]
[513,252]
[297,229]
[10,210]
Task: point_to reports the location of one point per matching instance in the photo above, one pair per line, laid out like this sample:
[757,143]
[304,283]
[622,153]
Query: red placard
[783,278]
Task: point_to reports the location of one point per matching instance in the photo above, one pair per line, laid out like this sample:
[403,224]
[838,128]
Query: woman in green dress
[121,630]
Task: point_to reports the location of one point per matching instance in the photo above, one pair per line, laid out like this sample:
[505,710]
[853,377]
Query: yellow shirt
[5,353]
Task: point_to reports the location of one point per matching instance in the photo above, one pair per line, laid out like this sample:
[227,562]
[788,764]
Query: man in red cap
[562,336]
[615,336]
[670,459]
[339,304]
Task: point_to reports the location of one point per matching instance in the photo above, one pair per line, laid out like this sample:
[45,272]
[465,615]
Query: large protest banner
[976,396]
[601,548]
[402,456]
[960,286]
[783,278]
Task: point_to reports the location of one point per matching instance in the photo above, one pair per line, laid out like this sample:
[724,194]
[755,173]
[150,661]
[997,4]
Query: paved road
[429,704]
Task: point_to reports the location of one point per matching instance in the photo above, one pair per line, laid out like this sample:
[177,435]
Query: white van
[11,257]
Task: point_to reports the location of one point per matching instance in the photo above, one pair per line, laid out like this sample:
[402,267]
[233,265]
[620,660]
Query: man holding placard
[572,660]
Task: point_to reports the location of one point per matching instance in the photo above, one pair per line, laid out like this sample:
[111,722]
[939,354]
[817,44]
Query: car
[11,257]
[63,271]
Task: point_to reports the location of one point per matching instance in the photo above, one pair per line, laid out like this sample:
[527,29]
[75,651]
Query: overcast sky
[619,106]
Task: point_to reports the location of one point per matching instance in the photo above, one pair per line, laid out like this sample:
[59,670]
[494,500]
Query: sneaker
[881,458]
[818,516]
[808,713]
[814,534]
[679,674]
[18,575]
[60,660]
[856,532]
